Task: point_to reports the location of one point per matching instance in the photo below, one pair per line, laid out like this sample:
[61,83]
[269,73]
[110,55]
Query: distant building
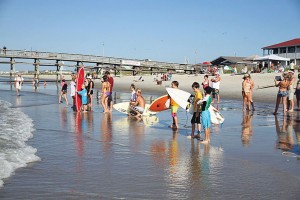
[288,49]
[228,60]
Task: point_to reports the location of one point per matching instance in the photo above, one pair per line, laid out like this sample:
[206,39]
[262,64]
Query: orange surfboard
[159,104]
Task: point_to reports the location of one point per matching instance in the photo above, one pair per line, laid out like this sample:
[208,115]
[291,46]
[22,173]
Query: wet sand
[108,156]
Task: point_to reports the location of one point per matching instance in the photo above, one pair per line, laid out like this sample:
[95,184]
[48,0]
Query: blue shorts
[282,94]
[205,119]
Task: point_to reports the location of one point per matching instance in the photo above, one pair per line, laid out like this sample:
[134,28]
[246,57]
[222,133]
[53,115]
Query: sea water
[15,129]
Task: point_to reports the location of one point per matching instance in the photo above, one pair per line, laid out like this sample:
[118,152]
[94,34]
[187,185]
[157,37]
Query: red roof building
[288,49]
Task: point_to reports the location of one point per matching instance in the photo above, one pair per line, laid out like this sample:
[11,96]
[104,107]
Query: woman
[282,92]
[246,92]
[89,88]
[105,93]
[205,83]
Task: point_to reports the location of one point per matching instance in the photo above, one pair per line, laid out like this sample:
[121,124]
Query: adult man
[18,83]
[216,87]
[138,106]
[110,99]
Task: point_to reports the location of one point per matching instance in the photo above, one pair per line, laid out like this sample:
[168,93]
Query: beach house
[288,49]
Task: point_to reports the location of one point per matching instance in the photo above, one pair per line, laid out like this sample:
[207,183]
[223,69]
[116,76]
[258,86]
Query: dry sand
[230,87]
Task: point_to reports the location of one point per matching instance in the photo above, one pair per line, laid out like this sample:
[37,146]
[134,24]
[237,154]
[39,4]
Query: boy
[174,107]
[84,98]
[205,115]
[196,115]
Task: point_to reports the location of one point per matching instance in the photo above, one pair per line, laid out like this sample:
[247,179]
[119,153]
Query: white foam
[15,129]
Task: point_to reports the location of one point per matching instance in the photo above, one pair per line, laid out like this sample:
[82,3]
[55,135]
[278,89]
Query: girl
[105,92]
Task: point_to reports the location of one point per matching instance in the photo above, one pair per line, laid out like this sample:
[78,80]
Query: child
[196,115]
[205,115]
[174,107]
[84,97]
[63,92]
[133,93]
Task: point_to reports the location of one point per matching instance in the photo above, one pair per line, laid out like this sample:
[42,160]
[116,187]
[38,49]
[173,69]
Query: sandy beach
[110,156]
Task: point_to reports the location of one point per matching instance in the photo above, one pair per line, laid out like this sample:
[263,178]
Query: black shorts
[196,120]
[91,92]
[215,93]
[110,97]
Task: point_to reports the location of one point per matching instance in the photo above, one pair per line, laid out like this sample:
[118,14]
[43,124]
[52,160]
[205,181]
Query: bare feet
[205,141]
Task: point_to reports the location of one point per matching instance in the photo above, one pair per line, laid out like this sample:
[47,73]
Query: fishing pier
[92,62]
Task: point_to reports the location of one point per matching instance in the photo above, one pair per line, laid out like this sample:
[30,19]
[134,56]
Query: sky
[159,30]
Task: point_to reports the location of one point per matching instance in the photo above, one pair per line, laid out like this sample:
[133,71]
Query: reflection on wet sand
[78,134]
[63,116]
[247,131]
[283,142]
[106,133]
[285,137]
[83,125]
[296,127]
[136,130]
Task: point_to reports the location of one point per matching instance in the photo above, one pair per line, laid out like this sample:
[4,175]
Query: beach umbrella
[206,63]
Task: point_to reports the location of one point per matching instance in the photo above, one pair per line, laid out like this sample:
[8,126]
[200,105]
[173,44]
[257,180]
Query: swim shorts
[205,119]
[196,120]
[215,92]
[282,94]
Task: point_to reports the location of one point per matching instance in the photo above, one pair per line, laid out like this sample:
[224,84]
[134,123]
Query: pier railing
[24,54]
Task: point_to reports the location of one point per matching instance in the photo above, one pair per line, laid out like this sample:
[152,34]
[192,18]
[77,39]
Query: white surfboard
[124,108]
[181,98]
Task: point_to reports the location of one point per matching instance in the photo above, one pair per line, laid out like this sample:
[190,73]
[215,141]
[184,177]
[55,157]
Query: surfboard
[215,116]
[79,82]
[124,108]
[184,100]
[159,104]
[181,97]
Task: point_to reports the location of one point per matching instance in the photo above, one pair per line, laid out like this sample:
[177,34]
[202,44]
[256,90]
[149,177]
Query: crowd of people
[287,88]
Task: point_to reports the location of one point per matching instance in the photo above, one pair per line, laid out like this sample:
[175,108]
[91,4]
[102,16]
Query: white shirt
[73,88]
[19,81]
[216,85]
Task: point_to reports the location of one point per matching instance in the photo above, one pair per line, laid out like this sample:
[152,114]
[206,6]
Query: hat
[290,71]
[246,76]
[90,77]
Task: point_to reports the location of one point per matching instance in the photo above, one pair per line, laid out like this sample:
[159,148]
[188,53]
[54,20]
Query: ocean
[50,152]
[15,129]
